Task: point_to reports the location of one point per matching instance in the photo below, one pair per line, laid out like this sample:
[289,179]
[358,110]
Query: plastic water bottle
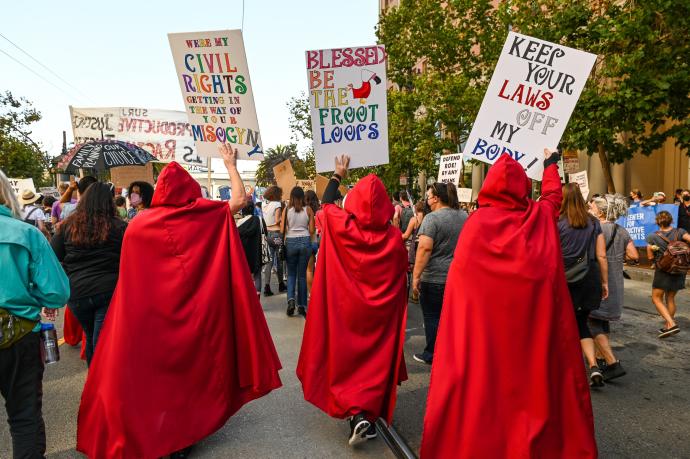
[50,343]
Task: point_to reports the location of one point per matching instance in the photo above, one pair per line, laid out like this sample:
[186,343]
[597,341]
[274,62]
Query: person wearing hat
[31,213]
[657,198]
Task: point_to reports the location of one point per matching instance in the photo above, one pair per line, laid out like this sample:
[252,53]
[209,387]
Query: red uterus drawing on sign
[363,92]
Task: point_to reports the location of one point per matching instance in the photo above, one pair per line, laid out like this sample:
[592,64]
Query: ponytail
[453,202]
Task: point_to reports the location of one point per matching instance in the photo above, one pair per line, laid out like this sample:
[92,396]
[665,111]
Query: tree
[20,157]
[300,125]
[276,155]
[636,97]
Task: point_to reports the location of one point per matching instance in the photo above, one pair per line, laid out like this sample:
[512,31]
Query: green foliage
[300,125]
[276,155]
[20,157]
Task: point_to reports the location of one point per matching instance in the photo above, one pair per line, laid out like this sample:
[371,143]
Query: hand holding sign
[342,163]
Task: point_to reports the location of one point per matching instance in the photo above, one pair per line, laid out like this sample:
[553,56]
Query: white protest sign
[217,93]
[465,194]
[165,134]
[449,169]
[526,108]
[581,179]
[347,96]
[19,185]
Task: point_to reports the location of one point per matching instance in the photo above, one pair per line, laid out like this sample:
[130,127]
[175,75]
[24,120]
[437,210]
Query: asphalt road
[644,414]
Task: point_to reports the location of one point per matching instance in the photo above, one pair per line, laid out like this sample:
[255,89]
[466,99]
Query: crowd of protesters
[68,251]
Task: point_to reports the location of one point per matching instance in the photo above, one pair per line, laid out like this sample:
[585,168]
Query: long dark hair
[573,206]
[297,198]
[446,193]
[91,221]
[312,200]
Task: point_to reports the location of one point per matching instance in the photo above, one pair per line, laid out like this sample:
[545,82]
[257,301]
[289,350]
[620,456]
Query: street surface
[642,415]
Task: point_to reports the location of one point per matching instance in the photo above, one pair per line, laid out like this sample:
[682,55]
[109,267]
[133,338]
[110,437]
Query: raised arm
[238,200]
[551,192]
[67,195]
[341,166]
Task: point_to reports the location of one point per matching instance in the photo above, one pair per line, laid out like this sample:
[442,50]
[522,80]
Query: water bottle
[50,344]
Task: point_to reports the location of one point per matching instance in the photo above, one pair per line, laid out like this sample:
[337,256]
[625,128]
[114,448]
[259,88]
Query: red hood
[369,203]
[175,187]
[506,185]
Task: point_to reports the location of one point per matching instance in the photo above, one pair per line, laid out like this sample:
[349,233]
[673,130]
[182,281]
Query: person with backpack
[404,212]
[668,248]
[586,268]
[31,213]
[619,246]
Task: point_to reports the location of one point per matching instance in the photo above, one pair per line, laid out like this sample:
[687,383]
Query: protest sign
[449,169]
[640,221]
[581,179]
[465,194]
[321,183]
[307,184]
[122,177]
[49,191]
[571,161]
[217,92]
[528,103]
[165,134]
[19,185]
[347,96]
[285,177]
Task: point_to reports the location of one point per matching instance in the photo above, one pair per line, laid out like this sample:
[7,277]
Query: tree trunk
[606,167]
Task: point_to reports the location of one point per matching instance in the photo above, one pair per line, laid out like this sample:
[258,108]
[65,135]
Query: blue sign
[641,221]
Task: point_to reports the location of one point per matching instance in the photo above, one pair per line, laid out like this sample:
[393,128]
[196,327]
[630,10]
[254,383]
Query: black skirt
[586,293]
[668,282]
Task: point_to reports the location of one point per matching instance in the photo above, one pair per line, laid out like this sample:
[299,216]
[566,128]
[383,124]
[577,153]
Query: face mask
[686,198]
[134,199]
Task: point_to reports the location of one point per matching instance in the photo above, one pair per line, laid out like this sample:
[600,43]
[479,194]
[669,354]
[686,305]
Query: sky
[116,53]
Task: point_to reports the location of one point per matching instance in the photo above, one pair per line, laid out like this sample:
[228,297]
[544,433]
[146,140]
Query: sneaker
[282,288]
[595,377]
[291,307]
[302,311]
[613,371]
[421,359]
[371,432]
[601,363]
[267,290]
[666,332]
[358,429]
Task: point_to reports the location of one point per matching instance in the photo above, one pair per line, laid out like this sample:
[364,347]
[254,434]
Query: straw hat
[28,197]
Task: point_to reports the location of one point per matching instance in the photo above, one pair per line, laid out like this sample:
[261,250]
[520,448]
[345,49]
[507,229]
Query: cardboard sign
[19,185]
[449,169]
[581,179]
[165,134]
[216,90]
[347,96]
[321,183]
[307,184]
[528,103]
[640,221]
[124,176]
[285,177]
[465,194]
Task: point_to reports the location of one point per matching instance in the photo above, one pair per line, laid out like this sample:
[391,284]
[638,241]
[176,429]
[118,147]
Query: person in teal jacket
[31,281]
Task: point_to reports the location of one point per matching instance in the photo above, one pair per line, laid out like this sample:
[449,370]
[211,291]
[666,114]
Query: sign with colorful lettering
[217,92]
[449,169]
[640,221]
[526,108]
[347,96]
[165,134]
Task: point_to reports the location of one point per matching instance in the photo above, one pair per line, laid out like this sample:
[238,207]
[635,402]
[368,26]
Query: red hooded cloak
[352,350]
[508,378]
[185,343]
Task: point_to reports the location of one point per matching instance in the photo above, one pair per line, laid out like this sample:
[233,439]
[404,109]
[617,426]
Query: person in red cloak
[507,379]
[185,343]
[352,351]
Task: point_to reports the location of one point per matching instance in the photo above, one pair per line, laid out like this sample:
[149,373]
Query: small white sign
[450,168]
[581,179]
[526,108]
[19,185]
[465,194]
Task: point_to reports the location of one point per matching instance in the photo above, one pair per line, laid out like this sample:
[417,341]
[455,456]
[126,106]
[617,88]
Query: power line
[45,66]
[36,73]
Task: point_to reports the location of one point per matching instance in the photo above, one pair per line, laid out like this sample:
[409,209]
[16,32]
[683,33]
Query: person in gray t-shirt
[438,236]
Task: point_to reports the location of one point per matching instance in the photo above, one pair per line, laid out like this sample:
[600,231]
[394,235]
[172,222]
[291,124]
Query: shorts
[599,326]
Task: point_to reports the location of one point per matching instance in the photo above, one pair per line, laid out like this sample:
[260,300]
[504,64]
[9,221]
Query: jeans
[275,261]
[21,385]
[90,311]
[298,253]
[431,300]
